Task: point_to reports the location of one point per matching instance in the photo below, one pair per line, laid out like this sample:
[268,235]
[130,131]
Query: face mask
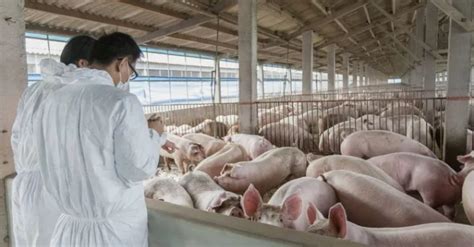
[125,86]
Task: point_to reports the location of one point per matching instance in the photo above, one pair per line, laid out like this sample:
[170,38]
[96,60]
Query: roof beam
[454,14]
[394,10]
[84,16]
[425,46]
[174,28]
[364,27]
[328,19]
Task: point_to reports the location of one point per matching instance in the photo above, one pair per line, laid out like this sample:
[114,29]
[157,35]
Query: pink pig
[371,143]
[267,171]
[370,202]
[254,145]
[437,183]
[425,235]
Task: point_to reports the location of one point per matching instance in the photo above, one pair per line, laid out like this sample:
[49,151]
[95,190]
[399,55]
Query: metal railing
[317,126]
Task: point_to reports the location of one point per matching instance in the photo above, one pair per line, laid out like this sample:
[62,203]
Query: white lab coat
[95,149]
[34,213]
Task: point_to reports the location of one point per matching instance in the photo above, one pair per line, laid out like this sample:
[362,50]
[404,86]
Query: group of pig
[385,189]
[320,127]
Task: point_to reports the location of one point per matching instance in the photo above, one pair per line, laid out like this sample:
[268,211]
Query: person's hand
[157,125]
[169,147]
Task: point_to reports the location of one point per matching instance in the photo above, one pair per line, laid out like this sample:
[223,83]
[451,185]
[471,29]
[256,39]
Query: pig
[295,120]
[213,165]
[170,128]
[254,145]
[266,172]
[329,120]
[186,153]
[371,143]
[311,118]
[198,128]
[436,182]
[208,196]
[167,190]
[288,210]
[210,144]
[329,141]
[289,135]
[468,197]
[348,163]
[181,129]
[213,128]
[268,117]
[309,189]
[401,110]
[228,120]
[233,130]
[468,164]
[370,202]
[425,235]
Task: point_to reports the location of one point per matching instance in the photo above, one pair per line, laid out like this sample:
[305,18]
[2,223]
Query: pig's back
[370,202]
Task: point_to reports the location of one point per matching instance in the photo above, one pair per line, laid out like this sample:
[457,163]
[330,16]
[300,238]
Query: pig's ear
[464,158]
[292,207]
[312,214]
[251,201]
[338,220]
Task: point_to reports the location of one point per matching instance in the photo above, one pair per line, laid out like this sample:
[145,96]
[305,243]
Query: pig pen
[172,225]
[319,125]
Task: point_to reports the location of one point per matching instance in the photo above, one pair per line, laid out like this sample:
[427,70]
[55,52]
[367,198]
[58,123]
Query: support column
[261,79]
[412,72]
[431,38]
[459,70]
[361,73]
[345,70]
[331,65]
[307,62]
[13,82]
[366,74]
[247,66]
[420,35]
[218,85]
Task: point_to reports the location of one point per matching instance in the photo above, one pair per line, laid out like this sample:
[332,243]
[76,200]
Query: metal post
[331,65]
[345,70]
[459,69]
[307,62]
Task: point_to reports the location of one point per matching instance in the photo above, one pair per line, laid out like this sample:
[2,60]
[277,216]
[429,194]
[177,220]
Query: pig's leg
[179,162]
[449,211]
[167,163]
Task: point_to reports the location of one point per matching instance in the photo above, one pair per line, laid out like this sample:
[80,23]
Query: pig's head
[196,152]
[281,216]
[226,203]
[310,157]
[468,164]
[335,226]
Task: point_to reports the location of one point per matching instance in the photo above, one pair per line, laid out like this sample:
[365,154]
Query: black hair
[113,46]
[78,47]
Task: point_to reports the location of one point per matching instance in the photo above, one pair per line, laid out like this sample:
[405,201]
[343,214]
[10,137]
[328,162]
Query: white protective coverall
[95,149]
[34,213]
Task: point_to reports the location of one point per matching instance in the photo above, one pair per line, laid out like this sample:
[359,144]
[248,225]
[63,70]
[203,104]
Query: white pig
[167,190]
[210,144]
[348,163]
[371,202]
[425,235]
[254,145]
[186,153]
[208,196]
[267,171]
[437,183]
[288,211]
[371,143]
[213,164]
[468,197]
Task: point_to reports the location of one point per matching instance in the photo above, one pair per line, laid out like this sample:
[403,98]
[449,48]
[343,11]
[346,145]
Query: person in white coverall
[34,213]
[95,149]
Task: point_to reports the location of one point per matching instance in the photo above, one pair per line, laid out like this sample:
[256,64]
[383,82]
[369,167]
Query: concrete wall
[12,83]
